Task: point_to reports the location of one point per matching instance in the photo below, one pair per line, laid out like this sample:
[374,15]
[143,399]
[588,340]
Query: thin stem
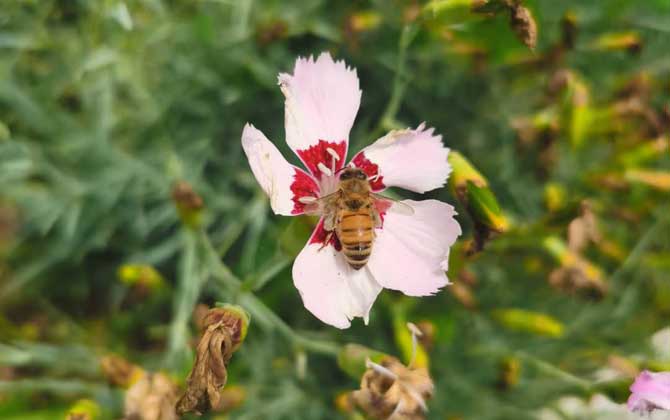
[266,273]
[256,307]
[558,373]
[190,285]
[387,121]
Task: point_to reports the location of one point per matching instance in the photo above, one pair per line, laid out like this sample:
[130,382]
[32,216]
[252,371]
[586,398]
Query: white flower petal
[322,99]
[412,159]
[411,252]
[330,289]
[281,181]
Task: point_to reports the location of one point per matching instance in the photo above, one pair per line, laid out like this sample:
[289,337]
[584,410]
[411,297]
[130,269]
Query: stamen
[307,199]
[374,177]
[416,396]
[380,369]
[323,168]
[416,332]
[335,156]
[414,329]
[333,153]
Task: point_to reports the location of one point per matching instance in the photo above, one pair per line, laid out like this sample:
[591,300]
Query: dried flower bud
[522,22]
[120,372]
[84,410]
[224,331]
[583,229]
[520,18]
[392,391]
[189,203]
[576,272]
[152,397]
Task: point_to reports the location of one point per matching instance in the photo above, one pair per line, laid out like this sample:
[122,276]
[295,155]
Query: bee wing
[394,206]
[321,205]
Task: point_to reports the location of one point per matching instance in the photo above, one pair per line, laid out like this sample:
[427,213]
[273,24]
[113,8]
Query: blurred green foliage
[106,105]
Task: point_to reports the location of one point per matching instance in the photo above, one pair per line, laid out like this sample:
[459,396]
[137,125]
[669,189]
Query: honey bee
[352,214]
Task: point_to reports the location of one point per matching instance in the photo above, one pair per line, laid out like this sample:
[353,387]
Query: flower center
[328,182]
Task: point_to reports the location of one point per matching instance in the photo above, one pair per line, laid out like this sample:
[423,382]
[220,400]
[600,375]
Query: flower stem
[232,286]
[558,373]
[387,121]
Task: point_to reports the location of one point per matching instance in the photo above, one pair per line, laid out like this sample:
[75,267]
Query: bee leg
[327,240]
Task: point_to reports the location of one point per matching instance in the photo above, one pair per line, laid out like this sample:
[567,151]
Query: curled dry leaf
[224,331]
[152,397]
[393,391]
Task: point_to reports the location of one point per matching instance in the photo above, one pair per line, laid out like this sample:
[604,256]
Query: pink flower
[410,252]
[649,392]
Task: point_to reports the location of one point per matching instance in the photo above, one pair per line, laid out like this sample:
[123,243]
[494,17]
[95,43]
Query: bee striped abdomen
[355,231]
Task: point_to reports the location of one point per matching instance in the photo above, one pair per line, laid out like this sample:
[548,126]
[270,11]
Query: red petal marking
[318,153]
[303,186]
[320,234]
[370,169]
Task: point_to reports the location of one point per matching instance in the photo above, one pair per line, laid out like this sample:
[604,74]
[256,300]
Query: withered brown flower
[393,391]
[152,397]
[224,331]
[119,371]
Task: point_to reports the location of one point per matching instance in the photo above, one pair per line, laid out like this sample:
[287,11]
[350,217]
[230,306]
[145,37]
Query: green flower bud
[140,275]
[528,321]
[84,409]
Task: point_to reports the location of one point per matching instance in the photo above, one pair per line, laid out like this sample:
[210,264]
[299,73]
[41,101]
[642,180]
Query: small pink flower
[410,252]
[649,392]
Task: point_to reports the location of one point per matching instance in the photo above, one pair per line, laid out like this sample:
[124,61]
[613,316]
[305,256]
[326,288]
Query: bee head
[353,173]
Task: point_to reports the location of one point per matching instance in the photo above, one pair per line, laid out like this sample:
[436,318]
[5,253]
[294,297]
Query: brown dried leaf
[399,394]
[223,334]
